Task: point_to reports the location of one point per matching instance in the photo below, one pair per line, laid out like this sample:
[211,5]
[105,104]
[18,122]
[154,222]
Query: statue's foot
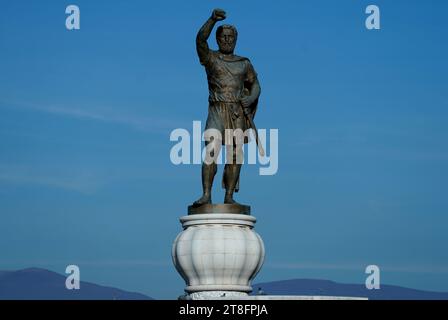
[205,199]
[229,200]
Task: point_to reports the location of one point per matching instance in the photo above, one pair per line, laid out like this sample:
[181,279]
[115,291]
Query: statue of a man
[233,97]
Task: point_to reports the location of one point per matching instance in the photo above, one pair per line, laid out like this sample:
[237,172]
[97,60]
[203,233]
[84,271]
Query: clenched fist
[218,15]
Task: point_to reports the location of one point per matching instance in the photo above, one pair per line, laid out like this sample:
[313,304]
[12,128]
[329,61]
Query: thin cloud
[91,263]
[82,182]
[152,124]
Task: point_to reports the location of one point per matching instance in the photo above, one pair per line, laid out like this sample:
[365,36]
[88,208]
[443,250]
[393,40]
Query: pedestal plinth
[218,253]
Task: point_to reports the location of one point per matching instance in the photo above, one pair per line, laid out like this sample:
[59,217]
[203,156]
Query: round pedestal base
[218,255]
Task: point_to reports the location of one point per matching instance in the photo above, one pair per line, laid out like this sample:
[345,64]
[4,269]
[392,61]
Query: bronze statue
[233,98]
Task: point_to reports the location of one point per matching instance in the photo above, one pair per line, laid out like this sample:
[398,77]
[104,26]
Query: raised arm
[205,31]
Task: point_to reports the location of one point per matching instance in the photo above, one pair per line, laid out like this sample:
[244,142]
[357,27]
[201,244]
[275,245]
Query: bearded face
[226,41]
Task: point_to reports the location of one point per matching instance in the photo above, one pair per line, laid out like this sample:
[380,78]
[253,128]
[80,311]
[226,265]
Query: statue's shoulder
[240,58]
[214,53]
[230,58]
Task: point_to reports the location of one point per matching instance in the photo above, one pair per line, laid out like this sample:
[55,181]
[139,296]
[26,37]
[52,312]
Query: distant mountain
[41,284]
[330,288]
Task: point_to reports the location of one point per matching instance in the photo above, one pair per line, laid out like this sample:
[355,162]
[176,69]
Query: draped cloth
[229,79]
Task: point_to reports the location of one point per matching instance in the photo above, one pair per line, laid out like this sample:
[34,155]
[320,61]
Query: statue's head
[226,36]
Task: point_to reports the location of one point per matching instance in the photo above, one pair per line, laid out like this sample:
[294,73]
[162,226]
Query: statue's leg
[209,168]
[232,174]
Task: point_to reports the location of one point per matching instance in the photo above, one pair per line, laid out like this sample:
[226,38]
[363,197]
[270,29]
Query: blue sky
[85,118]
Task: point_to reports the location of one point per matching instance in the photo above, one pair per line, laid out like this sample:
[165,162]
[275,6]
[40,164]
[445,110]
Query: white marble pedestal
[218,254]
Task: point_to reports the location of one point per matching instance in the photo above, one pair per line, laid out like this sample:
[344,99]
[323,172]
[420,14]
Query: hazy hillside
[41,284]
[330,288]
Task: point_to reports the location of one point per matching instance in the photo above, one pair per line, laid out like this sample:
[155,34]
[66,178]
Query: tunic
[228,78]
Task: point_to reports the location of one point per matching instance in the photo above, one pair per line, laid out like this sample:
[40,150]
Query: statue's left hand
[246,101]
